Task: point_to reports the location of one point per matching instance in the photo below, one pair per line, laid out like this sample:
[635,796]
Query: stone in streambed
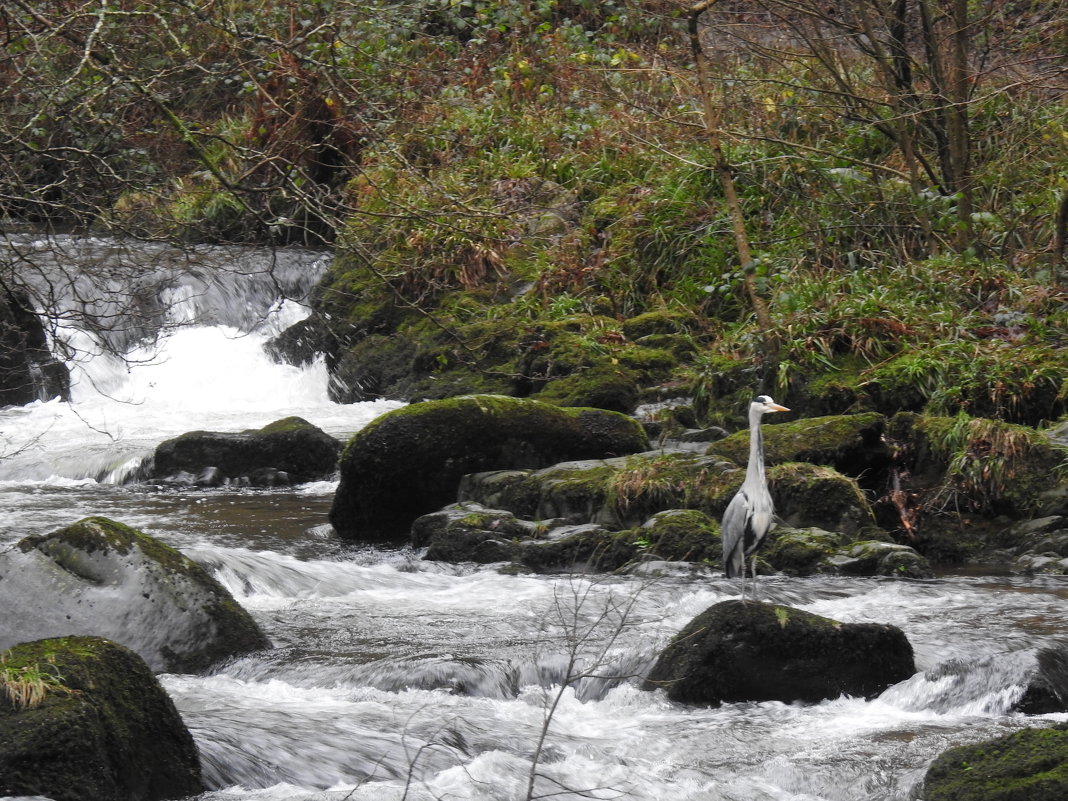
[751,651]
[99,726]
[99,577]
[287,451]
[410,461]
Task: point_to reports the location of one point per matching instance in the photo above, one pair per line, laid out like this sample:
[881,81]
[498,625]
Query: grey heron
[751,512]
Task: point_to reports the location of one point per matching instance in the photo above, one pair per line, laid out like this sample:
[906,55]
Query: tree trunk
[712,119]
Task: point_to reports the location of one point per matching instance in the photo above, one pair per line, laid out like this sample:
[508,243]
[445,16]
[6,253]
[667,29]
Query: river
[394,678]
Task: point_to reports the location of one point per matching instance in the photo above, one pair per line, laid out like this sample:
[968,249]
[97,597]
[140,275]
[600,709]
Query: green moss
[1029,765]
[607,387]
[849,440]
[285,425]
[801,552]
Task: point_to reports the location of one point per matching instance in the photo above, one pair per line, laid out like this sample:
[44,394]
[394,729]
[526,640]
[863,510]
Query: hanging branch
[713,116]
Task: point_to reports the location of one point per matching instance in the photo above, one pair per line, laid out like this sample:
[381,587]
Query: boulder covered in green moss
[608,387]
[84,718]
[813,495]
[410,461]
[751,651]
[287,451]
[1028,765]
[102,578]
[850,443]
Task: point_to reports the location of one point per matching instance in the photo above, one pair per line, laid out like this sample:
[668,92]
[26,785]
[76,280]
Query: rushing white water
[394,678]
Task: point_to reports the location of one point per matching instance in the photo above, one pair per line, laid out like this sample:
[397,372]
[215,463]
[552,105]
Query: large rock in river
[409,462]
[27,370]
[98,577]
[1028,765]
[82,717]
[750,651]
[290,451]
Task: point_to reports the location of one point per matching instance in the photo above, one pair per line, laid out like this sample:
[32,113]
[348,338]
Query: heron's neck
[754,471]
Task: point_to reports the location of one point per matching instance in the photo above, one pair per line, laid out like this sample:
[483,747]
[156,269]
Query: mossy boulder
[750,651]
[410,461]
[812,495]
[680,535]
[102,578]
[608,387]
[287,451]
[878,558]
[98,726]
[800,551]
[1028,765]
[850,443]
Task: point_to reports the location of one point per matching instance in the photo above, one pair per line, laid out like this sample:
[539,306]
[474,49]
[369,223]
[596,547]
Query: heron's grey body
[751,512]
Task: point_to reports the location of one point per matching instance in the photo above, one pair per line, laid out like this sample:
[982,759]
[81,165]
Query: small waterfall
[168,344]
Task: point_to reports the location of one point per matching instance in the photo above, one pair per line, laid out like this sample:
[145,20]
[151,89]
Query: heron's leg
[754,579]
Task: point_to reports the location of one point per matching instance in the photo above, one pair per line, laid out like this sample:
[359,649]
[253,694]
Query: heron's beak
[777,408]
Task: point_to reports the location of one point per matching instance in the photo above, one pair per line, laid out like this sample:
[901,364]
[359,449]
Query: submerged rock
[286,451]
[84,718]
[1028,765]
[751,651]
[409,462]
[98,577]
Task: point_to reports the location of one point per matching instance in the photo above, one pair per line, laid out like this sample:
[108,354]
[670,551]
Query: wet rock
[1047,683]
[1040,545]
[100,726]
[410,461]
[292,446]
[28,372]
[877,558]
[750,651]
[608,387]
[1030,765]
[468,532]
[801,551]
[98,577]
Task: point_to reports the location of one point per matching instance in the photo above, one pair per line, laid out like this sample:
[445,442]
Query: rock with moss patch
[878,558]
[82,717]
[1028,765]
[850,443]
[801,551]
[813,495]
[607,387]
[469,532]
[749,651]
[287,451]
[410,461]
[680,535]
[98,577]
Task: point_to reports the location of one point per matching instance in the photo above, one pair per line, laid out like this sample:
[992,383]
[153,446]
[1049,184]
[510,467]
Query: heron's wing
[748,519]
[734,528]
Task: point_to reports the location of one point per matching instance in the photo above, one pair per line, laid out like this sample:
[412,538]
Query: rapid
[395,678]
